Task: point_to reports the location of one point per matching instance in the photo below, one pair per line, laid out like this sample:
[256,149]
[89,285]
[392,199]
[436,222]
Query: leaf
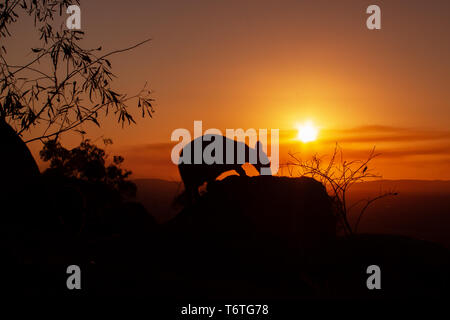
[87,58]
[94,120]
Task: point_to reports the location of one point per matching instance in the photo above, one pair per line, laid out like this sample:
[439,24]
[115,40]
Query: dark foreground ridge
[275,237]
[245,238]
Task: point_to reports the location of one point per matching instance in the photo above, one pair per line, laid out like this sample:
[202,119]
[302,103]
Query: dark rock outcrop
[296,211]
[16,162]
[249,237]
[19,178]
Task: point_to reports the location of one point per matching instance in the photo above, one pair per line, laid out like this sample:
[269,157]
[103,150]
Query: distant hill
[421,210]
[405,186]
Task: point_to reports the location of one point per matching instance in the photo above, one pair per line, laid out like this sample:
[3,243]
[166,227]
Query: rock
[19,191]
[294,211]
[249,237]
[17,163]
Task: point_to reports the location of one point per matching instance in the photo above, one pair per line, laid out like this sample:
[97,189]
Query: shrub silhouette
[94,195]
[87,162]
[338,176]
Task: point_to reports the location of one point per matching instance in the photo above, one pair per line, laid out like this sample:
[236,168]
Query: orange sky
[272,64]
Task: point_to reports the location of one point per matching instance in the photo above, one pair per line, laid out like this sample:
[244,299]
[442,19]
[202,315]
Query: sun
[307,132]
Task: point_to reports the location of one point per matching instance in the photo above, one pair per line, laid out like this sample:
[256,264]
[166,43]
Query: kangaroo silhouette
[196,174]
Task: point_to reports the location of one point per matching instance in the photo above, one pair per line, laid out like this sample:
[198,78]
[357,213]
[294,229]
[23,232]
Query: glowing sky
[273,64]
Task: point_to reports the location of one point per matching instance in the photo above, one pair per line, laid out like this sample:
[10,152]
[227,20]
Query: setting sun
[307,132]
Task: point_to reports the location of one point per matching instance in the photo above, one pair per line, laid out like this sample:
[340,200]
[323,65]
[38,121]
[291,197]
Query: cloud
[151,147]
[379,134]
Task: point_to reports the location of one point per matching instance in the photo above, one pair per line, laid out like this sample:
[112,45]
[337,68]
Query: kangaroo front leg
[241,172]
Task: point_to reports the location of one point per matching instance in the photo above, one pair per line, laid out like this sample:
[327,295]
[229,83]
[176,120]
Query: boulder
[294,212]
[18,179]
[17,163]
[249,237]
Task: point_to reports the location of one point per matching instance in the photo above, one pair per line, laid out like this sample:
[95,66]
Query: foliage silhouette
[64,85]
[87,162]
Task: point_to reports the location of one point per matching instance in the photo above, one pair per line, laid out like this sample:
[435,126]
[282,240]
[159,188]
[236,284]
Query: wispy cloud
[375,134]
